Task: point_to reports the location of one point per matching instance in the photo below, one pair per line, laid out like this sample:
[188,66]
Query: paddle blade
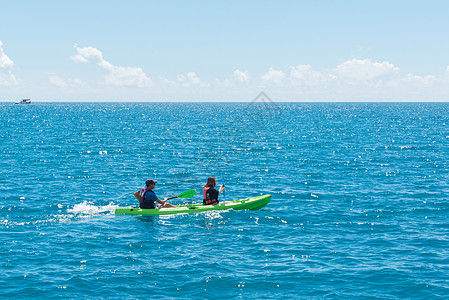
[187,194]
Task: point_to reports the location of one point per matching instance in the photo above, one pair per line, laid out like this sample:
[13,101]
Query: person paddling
[210,194]
[147,197]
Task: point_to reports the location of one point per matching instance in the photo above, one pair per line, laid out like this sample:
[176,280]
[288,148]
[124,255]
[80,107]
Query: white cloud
[238,79]
[89,54]
[5,61]
[273,76]
[191,79]
[242,77]
[7,78]
[364,69]
[116,75]
[188,80]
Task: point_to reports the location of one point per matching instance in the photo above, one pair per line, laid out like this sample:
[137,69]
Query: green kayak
[253,203]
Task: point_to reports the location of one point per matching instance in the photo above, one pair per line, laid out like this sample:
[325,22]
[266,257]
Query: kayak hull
[253,203]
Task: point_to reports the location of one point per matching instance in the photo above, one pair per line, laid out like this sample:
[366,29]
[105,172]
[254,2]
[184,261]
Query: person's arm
[161,201]
[222,189]
[136,194]
[164,203]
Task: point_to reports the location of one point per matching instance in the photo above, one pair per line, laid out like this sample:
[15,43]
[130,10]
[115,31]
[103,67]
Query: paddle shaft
[186,194]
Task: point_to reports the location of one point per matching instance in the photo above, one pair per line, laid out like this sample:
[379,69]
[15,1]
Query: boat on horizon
[24,101]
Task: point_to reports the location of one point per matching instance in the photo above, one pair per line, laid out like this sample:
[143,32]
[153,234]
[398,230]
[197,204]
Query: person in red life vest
[147,197]
[210,194]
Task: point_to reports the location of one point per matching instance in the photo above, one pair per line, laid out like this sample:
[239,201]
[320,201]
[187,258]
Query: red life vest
[207,200]
[142,194]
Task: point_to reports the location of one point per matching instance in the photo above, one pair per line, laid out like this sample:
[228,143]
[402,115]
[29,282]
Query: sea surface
[359,209]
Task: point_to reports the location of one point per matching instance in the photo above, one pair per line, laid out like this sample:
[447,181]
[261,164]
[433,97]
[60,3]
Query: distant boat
[24,101]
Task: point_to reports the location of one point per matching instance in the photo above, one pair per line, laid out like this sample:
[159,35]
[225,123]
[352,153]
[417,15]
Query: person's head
[211,182]
[150,183]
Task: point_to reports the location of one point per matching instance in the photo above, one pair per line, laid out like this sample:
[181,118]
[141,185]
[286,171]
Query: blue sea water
[360,205]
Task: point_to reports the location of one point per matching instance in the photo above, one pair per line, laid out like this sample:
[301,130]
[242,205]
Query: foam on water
[90,209]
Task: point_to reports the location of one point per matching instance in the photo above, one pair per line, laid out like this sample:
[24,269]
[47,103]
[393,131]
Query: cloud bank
[115,75]
[352,80]
[364,69]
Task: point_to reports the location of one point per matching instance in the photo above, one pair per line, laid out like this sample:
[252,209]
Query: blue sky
[224,51]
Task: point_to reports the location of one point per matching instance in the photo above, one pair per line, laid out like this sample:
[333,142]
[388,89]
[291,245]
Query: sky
[224,50]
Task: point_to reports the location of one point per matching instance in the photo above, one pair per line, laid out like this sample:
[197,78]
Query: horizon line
[228,101]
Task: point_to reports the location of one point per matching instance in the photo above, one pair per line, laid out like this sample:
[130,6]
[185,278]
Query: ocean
[359,207]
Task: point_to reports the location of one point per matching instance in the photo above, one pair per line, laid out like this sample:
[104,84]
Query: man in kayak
[147,197]
[210,194]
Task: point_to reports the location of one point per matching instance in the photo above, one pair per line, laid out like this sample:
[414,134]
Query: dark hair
[150,181]
[211,182]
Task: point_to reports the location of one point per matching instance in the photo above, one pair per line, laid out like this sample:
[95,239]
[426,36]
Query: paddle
[186,194]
